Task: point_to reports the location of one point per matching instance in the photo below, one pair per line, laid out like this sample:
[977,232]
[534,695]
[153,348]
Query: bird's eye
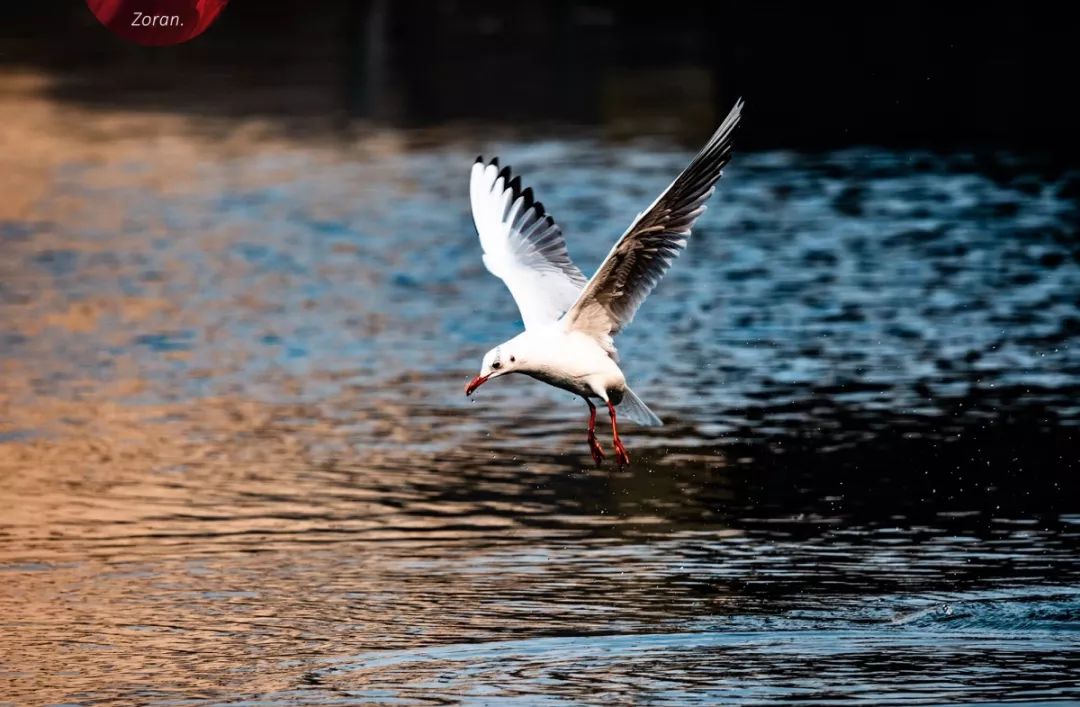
[496,366]
[512,359]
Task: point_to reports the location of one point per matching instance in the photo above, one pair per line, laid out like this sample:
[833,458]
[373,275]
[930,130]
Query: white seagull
[570,322]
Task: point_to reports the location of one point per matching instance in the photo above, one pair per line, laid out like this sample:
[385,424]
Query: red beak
[475,383]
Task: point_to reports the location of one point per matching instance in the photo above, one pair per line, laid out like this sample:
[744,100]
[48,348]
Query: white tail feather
[632,408]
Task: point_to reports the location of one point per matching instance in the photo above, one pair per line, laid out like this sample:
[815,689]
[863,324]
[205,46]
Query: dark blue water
[236,464]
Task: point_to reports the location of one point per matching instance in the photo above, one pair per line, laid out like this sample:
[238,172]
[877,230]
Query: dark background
[816,75]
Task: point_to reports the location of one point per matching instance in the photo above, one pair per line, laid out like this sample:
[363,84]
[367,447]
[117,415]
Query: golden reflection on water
[144,540]
[200,549]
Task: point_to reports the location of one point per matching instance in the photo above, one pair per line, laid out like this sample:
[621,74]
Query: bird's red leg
[621,457]
[594,446]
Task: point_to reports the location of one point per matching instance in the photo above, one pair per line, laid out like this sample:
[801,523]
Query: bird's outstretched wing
[658,234]
[523,246]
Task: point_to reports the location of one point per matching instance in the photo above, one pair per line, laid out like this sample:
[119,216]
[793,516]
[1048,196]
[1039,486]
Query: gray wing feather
[644,253]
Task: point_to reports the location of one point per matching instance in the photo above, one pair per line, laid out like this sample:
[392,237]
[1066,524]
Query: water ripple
[236,464]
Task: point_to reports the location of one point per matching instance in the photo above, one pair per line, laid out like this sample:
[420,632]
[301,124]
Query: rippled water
[236,464]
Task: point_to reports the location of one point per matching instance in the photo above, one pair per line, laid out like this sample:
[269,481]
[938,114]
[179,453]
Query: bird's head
[497,362]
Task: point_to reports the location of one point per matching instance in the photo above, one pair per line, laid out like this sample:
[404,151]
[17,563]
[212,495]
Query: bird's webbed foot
[622,458]
[595,449]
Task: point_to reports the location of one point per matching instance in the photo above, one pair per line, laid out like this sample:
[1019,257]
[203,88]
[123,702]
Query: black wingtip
[479,159]
[515,185]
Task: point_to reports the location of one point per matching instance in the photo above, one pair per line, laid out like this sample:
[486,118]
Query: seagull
[569,321]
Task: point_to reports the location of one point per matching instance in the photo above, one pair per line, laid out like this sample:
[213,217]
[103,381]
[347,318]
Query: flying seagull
[570,322]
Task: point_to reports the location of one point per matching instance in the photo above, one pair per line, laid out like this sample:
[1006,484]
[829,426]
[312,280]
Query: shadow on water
[236,463]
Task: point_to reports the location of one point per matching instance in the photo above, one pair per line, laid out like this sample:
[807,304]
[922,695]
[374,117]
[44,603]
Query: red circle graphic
[157,23]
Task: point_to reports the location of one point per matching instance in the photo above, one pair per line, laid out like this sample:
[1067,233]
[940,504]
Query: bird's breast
[561,379]
[576,363]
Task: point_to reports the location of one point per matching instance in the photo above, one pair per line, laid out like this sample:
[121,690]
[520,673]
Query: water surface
[236,464]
